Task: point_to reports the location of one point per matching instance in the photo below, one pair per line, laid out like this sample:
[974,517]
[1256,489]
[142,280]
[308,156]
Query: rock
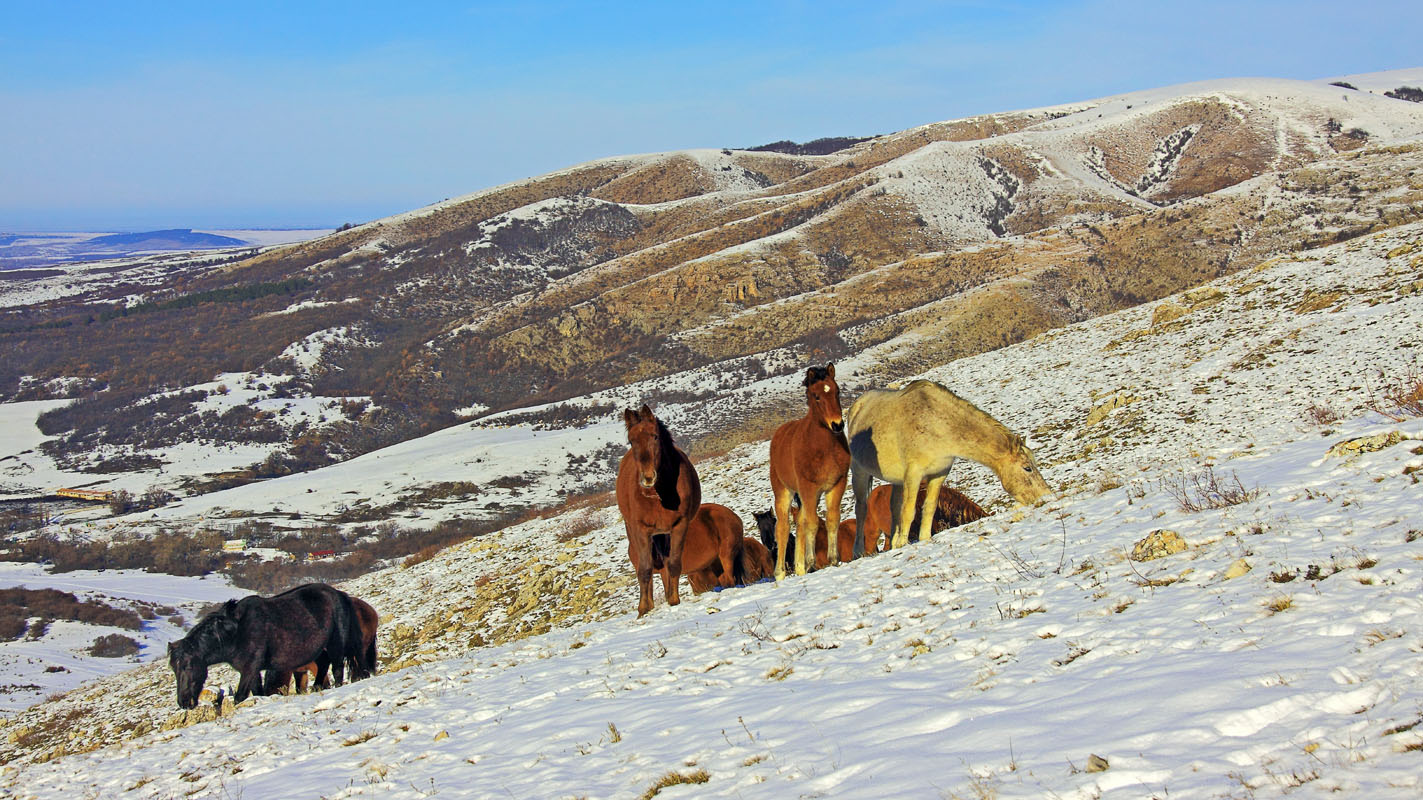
[1101,410]
[1096,763]
[442,735]
[1351,448]
[1165,312]
[1203,297]
[1235,570]
[1158,544]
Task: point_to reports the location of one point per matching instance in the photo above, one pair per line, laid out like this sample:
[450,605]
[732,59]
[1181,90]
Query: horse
[367,619]
[280,682]
[257,633]
[766,526]
[711,549]
[953,509]
[658,494]
[911,434]
[754,562]
[810,460]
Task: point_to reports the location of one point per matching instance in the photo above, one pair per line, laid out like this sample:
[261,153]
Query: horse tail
[352,644]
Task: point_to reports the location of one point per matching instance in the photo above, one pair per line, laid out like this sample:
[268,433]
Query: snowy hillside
[1277,653]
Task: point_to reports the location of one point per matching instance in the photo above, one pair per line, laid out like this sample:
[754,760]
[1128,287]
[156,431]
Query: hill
[693,272]
[1275,654]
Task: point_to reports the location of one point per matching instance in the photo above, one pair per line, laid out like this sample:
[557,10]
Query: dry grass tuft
[1278,604]
[675,779]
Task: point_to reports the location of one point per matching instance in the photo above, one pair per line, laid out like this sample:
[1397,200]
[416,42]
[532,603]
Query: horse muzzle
[837,426]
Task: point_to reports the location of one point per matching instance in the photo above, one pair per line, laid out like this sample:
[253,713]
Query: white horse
[911,434]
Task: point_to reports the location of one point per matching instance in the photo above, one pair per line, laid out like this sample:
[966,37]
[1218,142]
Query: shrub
[1410,93]
[1207,490]
[113,645]
[1398,399]
[120,502]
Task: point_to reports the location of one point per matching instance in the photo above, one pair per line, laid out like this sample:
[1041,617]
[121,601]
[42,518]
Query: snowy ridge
[992,661]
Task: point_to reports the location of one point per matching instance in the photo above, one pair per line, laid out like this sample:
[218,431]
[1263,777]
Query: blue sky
[127,116]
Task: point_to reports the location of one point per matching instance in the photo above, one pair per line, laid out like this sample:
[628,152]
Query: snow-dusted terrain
[1281,652]
[26,664]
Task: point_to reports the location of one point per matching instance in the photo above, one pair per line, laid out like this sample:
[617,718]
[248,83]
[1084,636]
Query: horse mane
[815,375]
[212,636]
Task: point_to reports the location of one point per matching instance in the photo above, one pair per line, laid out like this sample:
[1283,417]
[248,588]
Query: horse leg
[783,529]
[729,550]
[641,558]
[672,571]
[931,504]
[861,487]
[807,528]
[250,679]
[902,502]
[832,519]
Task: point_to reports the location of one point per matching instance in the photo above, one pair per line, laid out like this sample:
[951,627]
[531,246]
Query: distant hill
[170,239]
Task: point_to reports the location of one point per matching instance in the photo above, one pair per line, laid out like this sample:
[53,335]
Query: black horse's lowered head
[205,644]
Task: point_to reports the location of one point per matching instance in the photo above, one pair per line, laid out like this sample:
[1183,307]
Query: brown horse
[658,494]
[304,675]
[711,548]
[809,460]
[915,433]
[953,509]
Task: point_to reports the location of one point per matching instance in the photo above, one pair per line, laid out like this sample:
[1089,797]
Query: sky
[152,115]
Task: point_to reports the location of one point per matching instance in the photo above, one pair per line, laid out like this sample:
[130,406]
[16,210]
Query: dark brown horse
[367,618]
[766,526]
[809,460]
[710,551]
[658,494]
[257,633]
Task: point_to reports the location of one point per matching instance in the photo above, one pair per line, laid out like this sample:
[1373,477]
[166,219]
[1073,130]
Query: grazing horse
[953,509]
[710,551]
[809,460]
[257,633]
[754,562]
[658,493]
[915,433]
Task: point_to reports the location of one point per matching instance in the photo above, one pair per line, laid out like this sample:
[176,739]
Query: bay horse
[914,434]
[367,619]
[953,509]
[257,633]
[711,549]
[658,494]
[809,461]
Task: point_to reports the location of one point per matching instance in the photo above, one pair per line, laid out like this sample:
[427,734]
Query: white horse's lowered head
[911,434]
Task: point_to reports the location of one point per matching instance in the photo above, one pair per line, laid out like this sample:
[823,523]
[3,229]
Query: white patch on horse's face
[826,387]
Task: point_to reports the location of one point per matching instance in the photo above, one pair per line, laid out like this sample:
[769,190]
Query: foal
[809,460]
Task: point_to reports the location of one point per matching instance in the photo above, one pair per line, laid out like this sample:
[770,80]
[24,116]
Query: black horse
[277,633]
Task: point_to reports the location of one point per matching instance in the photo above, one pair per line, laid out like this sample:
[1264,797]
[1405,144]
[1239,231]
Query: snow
[24,662]
[992,661]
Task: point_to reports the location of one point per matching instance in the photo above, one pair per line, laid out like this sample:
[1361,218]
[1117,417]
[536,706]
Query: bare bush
[113,645]
[1400,398]
[1207,490]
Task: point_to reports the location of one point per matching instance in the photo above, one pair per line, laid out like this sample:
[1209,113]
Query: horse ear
[229,607]
[629,417]
[645,412]
[830,368]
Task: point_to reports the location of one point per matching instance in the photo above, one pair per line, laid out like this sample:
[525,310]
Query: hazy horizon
[222,118]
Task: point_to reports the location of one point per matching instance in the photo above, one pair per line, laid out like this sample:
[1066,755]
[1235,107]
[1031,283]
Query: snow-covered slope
[1278,653]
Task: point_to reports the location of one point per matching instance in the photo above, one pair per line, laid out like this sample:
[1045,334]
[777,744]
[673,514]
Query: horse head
[205,644]
[645,436]
[1020,475]
[822,395]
